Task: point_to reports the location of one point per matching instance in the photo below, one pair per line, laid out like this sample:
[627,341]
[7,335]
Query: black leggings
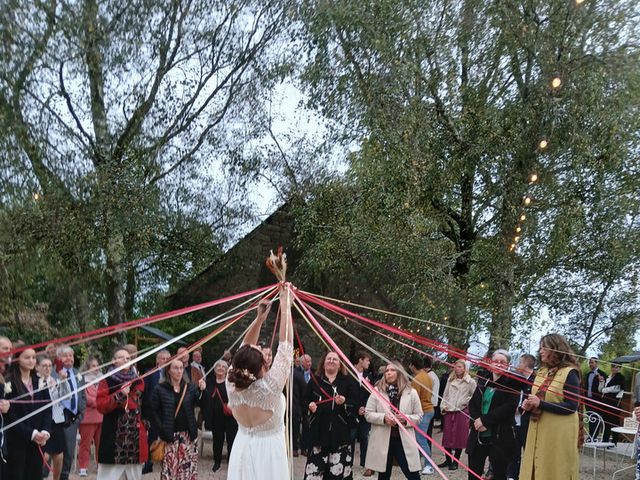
[397,451]
[227,430]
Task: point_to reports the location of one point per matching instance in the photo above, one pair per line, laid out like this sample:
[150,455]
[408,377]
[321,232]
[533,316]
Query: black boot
[216,467]
[446,463]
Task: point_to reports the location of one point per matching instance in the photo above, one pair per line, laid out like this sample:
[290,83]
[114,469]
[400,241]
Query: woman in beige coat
[387,440]
[455,412]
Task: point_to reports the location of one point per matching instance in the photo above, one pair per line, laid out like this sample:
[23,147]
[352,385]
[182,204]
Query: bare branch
[67,99]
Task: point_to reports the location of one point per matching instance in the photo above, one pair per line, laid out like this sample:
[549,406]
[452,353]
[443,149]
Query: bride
[257,402]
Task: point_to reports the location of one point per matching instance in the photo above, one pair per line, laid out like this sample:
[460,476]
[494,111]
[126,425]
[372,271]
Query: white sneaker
[83,472]
[428,470]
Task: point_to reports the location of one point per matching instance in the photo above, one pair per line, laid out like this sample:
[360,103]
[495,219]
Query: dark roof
[161,334]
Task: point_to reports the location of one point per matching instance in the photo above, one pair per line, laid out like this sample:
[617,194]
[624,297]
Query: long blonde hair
[402,380]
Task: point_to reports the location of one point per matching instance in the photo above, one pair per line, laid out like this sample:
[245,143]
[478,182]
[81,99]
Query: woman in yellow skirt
[551,451]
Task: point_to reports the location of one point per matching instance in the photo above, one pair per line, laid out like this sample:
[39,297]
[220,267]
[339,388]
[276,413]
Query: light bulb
[533,177]
[556,82]
[543,144]
[518,229]
[527,200]
[516,238]
[523,217]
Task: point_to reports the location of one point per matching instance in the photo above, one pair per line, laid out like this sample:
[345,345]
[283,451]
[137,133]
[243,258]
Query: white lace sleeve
[280,370]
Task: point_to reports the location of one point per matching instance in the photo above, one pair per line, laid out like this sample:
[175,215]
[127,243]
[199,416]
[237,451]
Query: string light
[523,217]
[36,196]
[556,82]
[516,239]
[527,200]
[543,144]
[533,178]
[579,2]
[512,247]
[518,229]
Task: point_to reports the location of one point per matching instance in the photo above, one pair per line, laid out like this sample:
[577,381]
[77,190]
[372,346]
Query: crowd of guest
[515,419]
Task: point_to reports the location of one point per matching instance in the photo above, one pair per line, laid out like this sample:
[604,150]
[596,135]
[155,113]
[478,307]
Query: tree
[450,103]
[119,119]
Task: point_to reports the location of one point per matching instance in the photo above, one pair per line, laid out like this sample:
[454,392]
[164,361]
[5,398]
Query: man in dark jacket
[590,389]
[297,412]
[306,369]
[73,407]
[361,430]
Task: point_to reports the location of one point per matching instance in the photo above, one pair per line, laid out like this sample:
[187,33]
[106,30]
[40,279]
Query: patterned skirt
[329,464]
[180,459]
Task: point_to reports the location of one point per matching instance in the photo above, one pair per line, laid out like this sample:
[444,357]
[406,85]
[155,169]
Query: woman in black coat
[492,409]
[331,396]
[25,440]
[173,405]
[610,390]
[217,415]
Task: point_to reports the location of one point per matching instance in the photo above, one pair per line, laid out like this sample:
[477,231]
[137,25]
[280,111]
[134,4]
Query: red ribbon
[143,321]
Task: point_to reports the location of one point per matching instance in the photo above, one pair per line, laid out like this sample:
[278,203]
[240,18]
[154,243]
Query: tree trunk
[130,292]
[115,276]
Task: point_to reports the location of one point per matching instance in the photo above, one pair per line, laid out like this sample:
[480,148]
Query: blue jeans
[421,439]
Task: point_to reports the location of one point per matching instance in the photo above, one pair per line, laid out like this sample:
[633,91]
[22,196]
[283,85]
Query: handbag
[225,406]
[158,446]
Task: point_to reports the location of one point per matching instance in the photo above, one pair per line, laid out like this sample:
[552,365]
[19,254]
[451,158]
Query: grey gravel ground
[586,466]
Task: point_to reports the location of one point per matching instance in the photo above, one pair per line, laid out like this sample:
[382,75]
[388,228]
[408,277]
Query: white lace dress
[260,451]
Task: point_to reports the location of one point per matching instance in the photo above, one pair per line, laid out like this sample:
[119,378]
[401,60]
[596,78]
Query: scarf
[535,414]
[124,377]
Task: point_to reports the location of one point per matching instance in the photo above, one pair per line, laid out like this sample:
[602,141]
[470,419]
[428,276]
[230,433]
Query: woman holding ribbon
[173,403]
[330,397]
[551,451]
[123,439]
[26,439]
[388,442]
[217,414]
[492,408]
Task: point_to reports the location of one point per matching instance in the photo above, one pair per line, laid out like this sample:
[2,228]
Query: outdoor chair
[591,417]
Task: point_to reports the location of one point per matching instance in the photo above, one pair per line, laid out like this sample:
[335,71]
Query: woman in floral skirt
[173,403]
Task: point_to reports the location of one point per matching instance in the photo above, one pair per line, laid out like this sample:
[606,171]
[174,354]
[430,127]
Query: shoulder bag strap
[184,390]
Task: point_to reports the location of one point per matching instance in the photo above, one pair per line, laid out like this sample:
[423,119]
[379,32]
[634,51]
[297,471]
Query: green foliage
[447,104]
[119,126]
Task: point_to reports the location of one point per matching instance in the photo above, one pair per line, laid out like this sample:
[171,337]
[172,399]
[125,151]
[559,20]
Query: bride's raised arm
[252,335]
[286,325]
[277,375]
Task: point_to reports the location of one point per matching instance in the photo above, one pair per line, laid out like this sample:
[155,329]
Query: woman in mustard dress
[551,451]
